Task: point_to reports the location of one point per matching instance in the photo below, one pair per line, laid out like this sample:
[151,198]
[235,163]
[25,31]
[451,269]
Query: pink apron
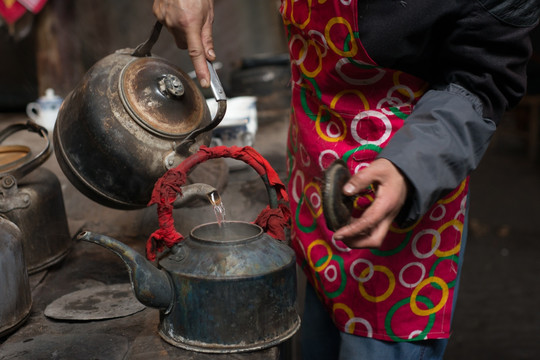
[346,106]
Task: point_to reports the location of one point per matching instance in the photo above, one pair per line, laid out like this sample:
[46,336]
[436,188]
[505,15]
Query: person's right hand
[190,23]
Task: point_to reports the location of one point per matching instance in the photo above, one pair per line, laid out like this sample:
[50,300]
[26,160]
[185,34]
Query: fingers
[200,49]
[190,23]
[207,39]
[368,231]
[198,57]
[361,180]
[157,10]
[371,228]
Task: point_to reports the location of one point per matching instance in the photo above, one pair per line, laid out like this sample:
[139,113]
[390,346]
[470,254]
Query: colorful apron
[345,106]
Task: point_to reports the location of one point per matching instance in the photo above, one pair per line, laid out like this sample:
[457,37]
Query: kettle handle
[166,190]
[144,49]
[38,160]
[171,181]
[220,97]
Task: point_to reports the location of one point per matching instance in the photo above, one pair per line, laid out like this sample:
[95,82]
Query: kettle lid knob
[171,86]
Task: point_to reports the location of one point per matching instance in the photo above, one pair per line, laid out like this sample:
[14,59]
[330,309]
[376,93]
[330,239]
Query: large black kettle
[132,117]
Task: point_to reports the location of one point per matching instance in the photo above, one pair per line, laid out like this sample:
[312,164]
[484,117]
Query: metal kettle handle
[220,97]
[246,154]
[38,160]
[145,48]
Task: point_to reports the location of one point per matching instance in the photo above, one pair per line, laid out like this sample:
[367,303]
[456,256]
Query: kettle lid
[337,207]
[161,97]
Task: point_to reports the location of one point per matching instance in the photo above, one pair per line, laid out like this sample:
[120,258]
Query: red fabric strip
[166,189]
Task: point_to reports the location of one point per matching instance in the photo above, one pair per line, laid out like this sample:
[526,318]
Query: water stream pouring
[219,207]
[217,291]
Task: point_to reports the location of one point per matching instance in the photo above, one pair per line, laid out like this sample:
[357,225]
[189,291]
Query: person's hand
[390,185]
[190,23]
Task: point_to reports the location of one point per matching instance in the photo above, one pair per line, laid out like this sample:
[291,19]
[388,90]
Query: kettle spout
[152,287]
[191,192]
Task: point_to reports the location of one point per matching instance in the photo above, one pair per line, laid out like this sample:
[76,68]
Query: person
[408,94]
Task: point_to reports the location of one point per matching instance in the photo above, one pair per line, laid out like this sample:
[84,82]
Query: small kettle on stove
[132,117]
[31,197]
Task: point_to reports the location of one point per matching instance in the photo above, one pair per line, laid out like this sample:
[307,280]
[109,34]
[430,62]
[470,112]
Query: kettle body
[41,217]
[31,197]
[16,302]
[235,290]
[217,292]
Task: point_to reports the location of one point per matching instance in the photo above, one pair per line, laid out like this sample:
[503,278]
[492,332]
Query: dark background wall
[55,47]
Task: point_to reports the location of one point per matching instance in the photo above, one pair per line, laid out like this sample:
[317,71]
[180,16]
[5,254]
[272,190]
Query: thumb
[359,182]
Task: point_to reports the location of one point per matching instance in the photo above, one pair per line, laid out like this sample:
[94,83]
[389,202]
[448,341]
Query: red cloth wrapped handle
[272,220]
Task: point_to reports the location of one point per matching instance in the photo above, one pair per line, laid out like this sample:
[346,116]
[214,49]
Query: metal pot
[228,287]
[31,197]
[14,285]
[132,117]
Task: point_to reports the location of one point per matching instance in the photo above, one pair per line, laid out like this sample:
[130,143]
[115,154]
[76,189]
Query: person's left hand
[390,185]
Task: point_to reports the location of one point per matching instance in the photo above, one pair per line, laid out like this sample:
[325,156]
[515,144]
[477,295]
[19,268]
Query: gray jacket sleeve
[482,74]
[441,143]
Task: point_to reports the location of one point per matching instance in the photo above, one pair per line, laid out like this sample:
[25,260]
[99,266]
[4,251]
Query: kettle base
[48,262]
[203,347]
[11,328]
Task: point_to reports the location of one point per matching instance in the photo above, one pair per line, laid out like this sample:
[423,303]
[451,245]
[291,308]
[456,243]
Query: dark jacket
[474,54]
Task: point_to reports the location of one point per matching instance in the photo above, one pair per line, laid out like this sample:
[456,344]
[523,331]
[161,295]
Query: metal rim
[198,233]
[25,152]
[199,346]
